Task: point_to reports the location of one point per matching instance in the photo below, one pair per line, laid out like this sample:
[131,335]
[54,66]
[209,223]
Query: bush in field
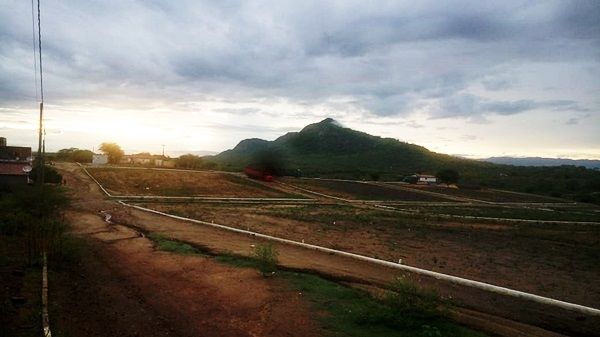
[51,175]
[266,256]
[405,307]
[409,301]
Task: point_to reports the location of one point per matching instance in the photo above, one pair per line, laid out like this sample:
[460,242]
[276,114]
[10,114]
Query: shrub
[36,215]
[410,302]
[406,307]
[266,256]
[51,175]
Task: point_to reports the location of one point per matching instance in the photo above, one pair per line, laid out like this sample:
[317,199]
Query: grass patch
[344,311]
[169,245]
[351,312]
[238,261]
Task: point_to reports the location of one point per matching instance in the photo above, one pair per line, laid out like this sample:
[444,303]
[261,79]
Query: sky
[469,78]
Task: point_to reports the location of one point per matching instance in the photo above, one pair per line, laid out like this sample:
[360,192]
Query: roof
[425,176]
[13,169]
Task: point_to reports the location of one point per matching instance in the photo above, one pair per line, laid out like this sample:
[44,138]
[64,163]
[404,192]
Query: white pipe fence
[444,277]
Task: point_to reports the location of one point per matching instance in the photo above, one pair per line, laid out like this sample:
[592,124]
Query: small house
[99,159]
[15,164]
[426,179]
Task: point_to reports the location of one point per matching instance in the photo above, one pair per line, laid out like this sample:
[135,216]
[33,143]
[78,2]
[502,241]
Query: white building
[99,159]
[426,179]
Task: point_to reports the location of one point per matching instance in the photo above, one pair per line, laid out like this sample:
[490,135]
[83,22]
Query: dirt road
[134,258]
[125,287]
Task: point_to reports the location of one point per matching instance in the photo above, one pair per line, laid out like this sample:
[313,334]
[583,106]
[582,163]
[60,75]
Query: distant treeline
[76,155]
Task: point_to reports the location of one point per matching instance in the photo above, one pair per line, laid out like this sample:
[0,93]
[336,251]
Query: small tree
[448,176]
[113,151]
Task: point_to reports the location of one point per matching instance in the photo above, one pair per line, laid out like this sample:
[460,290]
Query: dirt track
[89,201]
[125,287]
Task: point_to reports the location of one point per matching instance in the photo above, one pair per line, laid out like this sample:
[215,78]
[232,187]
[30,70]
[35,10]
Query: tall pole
[41,151]
[40,155]
[163,152]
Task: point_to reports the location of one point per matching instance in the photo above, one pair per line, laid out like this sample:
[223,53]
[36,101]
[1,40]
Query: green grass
[345,311]
[237,261]
[352,312]
[166,244]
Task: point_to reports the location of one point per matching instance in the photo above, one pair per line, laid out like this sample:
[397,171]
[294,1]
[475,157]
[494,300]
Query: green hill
[327,149]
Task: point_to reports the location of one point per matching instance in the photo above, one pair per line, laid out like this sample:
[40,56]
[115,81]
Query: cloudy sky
[473,78]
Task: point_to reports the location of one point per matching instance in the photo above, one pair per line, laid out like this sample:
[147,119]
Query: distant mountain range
[539,161]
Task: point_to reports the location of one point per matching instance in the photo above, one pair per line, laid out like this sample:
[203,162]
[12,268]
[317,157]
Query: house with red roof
[15,164]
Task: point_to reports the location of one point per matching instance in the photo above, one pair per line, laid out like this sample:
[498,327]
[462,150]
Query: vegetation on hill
[327,149]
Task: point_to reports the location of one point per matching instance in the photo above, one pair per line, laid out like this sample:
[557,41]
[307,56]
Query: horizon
[516,79]
[201,152]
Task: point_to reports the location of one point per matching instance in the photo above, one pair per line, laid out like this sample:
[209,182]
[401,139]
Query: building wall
[99,159]
[428,180]
[168,163]
[142,161]
[19,153]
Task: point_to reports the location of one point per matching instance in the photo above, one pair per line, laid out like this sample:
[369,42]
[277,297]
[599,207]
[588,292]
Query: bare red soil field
[123,286]
[359,191]
[88,200]
[122,181]
[557,261]
[485,194]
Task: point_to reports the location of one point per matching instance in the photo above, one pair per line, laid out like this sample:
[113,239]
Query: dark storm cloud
[386,58]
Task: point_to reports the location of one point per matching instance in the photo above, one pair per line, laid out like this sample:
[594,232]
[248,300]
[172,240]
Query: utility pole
[163,152]
[41,152]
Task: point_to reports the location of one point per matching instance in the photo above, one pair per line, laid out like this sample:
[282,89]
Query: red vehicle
[258,174]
